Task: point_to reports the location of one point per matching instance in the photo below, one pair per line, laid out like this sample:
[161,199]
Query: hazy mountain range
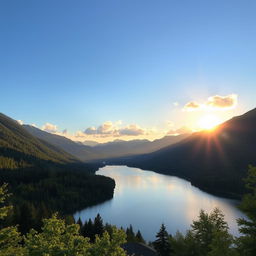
[98,151]
[216,161]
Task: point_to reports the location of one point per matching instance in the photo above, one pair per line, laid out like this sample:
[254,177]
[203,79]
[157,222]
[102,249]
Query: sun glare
[208,122]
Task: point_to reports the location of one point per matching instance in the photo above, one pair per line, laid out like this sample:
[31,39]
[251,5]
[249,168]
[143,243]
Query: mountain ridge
[215,161]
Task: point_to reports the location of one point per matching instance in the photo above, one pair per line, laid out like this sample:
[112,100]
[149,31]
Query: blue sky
[77,64]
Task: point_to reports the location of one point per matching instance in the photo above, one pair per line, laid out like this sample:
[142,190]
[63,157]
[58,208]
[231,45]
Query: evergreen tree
[247,242]
[139,238]
[130,234]
[98,225]
[88,230]
[9,236]
[162,243]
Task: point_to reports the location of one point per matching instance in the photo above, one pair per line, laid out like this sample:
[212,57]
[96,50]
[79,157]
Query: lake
[147,199]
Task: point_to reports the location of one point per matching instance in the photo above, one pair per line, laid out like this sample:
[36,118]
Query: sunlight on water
[146,199]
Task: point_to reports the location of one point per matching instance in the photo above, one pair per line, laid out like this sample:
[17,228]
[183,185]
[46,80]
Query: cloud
[109,128]
[192,105]
[90,130]
[132,130]
[106,128]
[20,122]
[222,102]
[181,130]
[216,102]
[50,128]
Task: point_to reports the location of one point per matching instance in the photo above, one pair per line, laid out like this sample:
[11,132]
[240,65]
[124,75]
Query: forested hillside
[18,148]
[44,178]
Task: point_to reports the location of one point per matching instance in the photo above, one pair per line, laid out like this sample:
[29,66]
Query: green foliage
[9,237]
[19,148]
[109,246]
[208,237]
[39,192]
[206,227]
[60,239]
[139,238]
[56,238]
[247,242]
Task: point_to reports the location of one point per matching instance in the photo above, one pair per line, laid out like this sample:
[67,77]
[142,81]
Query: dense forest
[44,179]
[208,235]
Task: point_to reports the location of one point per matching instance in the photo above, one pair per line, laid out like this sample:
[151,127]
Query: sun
[208,122]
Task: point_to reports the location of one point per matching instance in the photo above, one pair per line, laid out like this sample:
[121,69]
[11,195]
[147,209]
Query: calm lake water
[146,199]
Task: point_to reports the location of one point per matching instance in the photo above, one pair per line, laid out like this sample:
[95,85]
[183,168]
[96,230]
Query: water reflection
[146,199]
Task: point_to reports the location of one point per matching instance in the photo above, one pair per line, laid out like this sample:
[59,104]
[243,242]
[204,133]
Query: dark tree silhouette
[162,243]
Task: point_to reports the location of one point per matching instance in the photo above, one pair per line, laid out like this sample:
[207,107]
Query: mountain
[126,148]
[19,147]
[90,143]
[80,151]
[216,161]
[102,151]
[43,176]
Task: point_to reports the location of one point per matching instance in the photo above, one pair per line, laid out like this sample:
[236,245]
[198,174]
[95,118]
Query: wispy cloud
[191,106]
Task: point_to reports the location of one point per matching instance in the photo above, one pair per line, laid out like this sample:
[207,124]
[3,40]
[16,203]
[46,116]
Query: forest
[44,179]
[208,235]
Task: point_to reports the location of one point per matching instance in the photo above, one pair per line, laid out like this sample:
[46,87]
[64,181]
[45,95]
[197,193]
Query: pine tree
[139,238]
[98,225]
[162,243]
[247,242]
[130,234]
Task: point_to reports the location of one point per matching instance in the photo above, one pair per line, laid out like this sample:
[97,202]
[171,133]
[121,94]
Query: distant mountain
[19,147]
[42,175]
[134,147]
[102,151]
[90,143]
[216,161]
[78,150]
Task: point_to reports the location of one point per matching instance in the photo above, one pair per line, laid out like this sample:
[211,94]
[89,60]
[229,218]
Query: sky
[126,69]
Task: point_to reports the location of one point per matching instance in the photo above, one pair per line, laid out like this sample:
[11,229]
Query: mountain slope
[20,147]
[106,150]
[80,151]
[216,161]
[134,147]
[41,175]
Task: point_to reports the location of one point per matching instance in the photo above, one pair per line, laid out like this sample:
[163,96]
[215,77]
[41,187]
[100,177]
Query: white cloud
[50,128]
[90,130]
[20,122]
[111,129]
